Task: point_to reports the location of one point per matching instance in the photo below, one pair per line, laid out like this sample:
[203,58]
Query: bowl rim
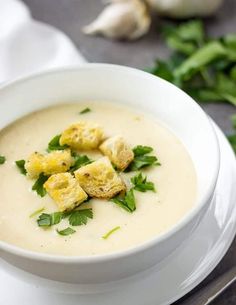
[187,218]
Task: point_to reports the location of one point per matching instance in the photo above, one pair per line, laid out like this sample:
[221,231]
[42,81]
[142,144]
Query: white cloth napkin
[28,46]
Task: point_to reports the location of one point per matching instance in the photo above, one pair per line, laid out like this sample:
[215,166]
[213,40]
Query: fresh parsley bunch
[203,67]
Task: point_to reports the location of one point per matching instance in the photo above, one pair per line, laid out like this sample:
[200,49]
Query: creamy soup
[156,212]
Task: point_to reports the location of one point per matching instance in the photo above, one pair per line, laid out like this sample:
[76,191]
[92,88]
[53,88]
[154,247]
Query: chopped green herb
[161,69]
[67,231]
[226,88]
[233,73]
[38,185]
[36,212]
[2,159]
[21,166]
[127,203]
[47,220]
[80,217]
[141,184]
[44,220]
[141,150]
[204,94]
[54,144]
[85,110]
[200,59]
[56,218]
[108,234]
[76,217]
[143,161]
[203,67]
[80,160]
[191,31]
[130,200]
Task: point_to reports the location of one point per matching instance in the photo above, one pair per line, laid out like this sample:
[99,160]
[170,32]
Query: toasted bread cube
[99,179]
[58,161]
[118,151]
[82,135]
[34,165]
[65,190]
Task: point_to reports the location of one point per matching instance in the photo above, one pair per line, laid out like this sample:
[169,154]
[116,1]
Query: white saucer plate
[164,284]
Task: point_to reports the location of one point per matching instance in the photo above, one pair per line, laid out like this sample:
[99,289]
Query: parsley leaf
[56,217]
[201,58]
[80,160]
[205,67]
[80,217]
[141,150]
[21,166]
[226,88]
[108,234]
[76,217]
[161,69]
[85,110]
[233,73]
[127,203]
[186,37]
[141,159]
[44,220]
[130,200]
[141,184]
[2,159]
[67,231]
[38,185]
[54,144]
[47,220]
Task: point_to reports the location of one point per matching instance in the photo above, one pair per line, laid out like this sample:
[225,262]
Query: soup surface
[175,182]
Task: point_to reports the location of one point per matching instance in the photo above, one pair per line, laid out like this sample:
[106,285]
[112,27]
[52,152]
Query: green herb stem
[108,234]
[35,213]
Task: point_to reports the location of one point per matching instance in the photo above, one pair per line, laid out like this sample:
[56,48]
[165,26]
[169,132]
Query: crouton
[65,190]
[34,165]
[118,151]
[99,179]
[58,161]
[82,135]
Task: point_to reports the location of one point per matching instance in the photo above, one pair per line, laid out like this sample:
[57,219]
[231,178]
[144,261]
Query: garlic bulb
[128,19]
[185,8]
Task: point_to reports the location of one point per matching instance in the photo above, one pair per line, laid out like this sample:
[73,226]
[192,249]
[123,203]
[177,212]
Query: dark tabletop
[71,15]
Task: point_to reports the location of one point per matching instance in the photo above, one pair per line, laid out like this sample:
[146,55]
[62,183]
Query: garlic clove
[128,19]
[185,8]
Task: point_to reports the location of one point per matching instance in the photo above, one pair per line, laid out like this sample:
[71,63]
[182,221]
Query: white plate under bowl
[180,273]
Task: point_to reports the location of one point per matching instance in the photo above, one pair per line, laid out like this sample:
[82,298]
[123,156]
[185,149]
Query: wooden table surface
[71,15]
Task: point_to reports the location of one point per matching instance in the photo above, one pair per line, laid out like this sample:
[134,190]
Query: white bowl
[149,94]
